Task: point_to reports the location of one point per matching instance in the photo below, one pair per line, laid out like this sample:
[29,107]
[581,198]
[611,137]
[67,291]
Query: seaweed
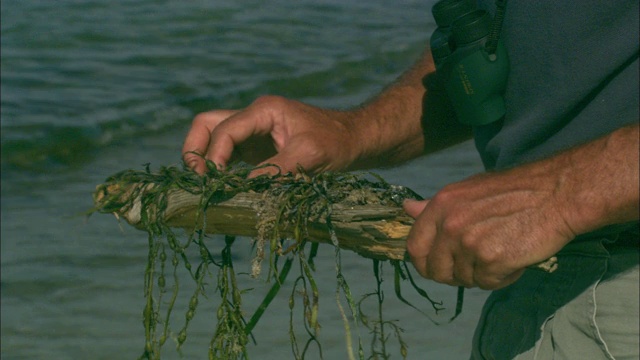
[289,202]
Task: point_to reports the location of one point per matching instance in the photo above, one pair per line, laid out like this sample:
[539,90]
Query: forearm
[405,121]
[598,181]
[590,186]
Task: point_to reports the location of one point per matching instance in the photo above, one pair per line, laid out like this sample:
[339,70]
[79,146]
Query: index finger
[198,138]
[235,130]
[420,240]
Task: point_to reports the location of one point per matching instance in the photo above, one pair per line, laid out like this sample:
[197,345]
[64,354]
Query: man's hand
[390,128]
[484,231]
[272,130]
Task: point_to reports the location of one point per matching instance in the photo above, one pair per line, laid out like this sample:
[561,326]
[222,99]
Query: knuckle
[448,194]
[453,224]
[201,118]
[210,119]
[472,239]
[316,151]
[488,255]
[469,242]
[269,102]
[441,198]
[454,218]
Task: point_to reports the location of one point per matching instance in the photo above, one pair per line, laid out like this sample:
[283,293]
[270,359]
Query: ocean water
[90,88]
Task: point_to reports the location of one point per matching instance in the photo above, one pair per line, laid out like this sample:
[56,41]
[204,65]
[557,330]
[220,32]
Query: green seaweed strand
[378,327]
[230,338]
[298,198]
[282,275]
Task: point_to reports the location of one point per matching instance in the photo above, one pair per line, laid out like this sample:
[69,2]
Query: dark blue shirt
[573,77]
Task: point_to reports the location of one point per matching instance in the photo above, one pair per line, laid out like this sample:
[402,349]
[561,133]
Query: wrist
[361,137]
[387,130]
[598,182]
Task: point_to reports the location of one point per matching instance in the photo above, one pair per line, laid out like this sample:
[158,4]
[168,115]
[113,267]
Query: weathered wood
[373,231]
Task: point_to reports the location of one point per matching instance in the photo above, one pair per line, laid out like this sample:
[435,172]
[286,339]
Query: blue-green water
[90,88]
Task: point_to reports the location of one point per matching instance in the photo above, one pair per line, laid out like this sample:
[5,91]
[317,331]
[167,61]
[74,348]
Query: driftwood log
[373,231]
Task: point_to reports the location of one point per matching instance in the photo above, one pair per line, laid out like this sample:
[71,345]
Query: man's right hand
[273,130]
[388,129]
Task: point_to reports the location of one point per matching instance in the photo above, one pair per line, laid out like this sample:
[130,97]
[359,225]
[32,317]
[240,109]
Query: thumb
[281,164]
[290,159]
[414,208]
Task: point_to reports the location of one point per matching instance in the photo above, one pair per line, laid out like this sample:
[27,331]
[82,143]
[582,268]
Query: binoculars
[471,61]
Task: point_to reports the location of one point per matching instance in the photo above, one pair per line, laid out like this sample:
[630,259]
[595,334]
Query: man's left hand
[484,231]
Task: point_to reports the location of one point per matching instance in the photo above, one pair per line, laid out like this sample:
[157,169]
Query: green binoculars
[471,61]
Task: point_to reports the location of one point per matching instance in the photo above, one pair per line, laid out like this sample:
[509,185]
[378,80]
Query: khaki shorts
[587,309]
